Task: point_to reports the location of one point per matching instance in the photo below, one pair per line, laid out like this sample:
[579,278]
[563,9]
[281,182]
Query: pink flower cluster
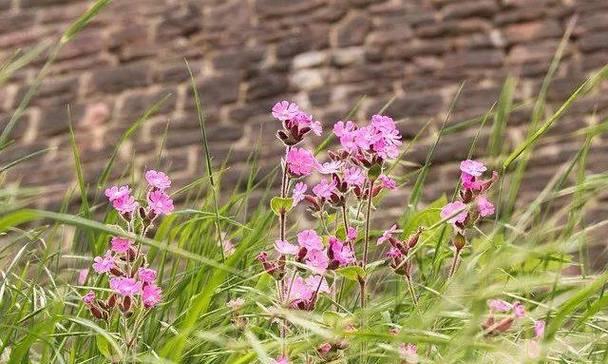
[495,325]
[378,139]
[296,123]
[159,202]
[399,250]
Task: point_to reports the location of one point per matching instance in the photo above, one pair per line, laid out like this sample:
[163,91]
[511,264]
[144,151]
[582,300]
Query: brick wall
[323,54]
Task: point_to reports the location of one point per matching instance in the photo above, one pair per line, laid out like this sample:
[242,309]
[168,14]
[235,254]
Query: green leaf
[352,272]
[374,172]
[103,346]
[281,205]
[427,217]
[341,232]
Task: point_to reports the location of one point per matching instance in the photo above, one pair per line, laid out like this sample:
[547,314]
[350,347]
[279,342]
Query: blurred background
[327,55]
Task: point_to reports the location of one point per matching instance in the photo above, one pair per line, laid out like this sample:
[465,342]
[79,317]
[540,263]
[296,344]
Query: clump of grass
[220,305]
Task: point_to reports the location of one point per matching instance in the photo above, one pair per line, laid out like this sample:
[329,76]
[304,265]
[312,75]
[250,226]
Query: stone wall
[323,54]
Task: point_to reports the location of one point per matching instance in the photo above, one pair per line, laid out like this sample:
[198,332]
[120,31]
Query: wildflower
[281,360]
[499,305]
[472,168]
[539,329]
[284,110]
[158,180]
[104,264]
[317,261]
[354,176]
[519,310]
[451,211]
[324,348]
[82,276]
[305,121]
[151,295]
[484,206]
[330,167]
[351,233]
[317,283]
[125,204]
[387,235]
[235,303]
[298,192]
[394,252]
[120,245]
[301,162]
[324,189]
[89,298]
[341,253]
[310,240]
[408,352]
[116,192]
[160,202]
[126,287]
[146,275]
[387,182]
[283,247]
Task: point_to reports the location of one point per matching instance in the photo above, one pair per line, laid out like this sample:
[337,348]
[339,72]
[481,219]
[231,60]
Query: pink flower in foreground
[387,182]
[519,310]
[146,275]
[299,291]
[324,189]
[304,120]
[298,192]
[151,295]
[158,179]
[317,283]
[485,207]
[499,305]
[408,352]
[301,162]
[341,252]
[394,252]
[354,176]
[387,234]
[472,168]
[89,298]
[451,211]
[104,264]
[116,192]
[127,287]
[281,360]
[120,245]
[351,234]
[317,261]
[160,202]
[539,328]
[310,240]
[284,110]
[330,167]
[125,204]
[283,247]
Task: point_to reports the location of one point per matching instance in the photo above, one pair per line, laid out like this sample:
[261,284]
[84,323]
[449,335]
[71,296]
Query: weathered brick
[475,58]
[136,103]
[353,30]
[215,90]
[283,7]
[55,120]
[464,9]
[266,85]
[40,3]
[411,105]
[531,31]
[116,79]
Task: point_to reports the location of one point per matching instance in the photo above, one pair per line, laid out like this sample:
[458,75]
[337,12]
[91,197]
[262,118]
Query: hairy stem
[367,223]
[454,263]
[410,287]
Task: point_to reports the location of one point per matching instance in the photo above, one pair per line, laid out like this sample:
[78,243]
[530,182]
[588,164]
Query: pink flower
[82,276]
[160,202]
[104,264]
[236,303]
[317,261]
[299,291]
[472,168]
[351,234]
[125,204]
[469,182]
[539,328]
[301,162]
[408,352]
[284,110]
[317,283]
[281,360]
[283,247]
[298,192]
[330,167]
[116,192]
[519,310]
[310,240]
[158,180]
[89,298]
[151,295]
[387,234]
[341,252]
[354,176]
[120,245]
[146,275]
[451,211]
[499,305]
[485,207]
[127,287]
[387,182]
[304,120]
[324,348]
[324,189]
[394,252]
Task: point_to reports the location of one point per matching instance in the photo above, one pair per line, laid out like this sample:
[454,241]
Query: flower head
[283,247]
[235,303]
[151,295]
[330,167]
[281,360]
[351,233]
[519,310]
[387,182]
[116,192]
[104,264]
[158,179]
[298,192]
[125,204]
[120,245]
[284,110]
[146,275]
[317,261]
[82,276]
[127,287]
[317,283]
[485,207]
[310,240]
[324,189]
[89,298]
[472,168]
[499,305]
[301,162]
[160,202]
[539,328]
[354,176]
[341,252]
[451,211]
[387,234]
[408,352]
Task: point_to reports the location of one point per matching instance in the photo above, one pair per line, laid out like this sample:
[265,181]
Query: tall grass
[519,256]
